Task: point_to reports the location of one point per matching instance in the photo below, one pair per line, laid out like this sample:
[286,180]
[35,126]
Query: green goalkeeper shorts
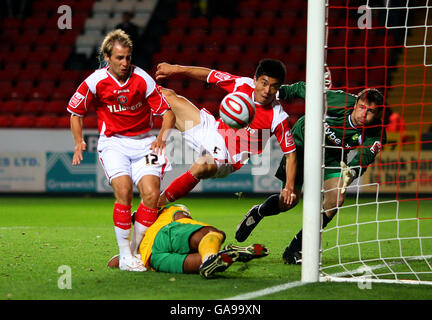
[171,246]
[281,171]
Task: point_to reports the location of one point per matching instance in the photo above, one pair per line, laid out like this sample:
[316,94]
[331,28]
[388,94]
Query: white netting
[383,231]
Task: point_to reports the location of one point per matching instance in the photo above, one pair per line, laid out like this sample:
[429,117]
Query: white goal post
[314,110]
[383,232]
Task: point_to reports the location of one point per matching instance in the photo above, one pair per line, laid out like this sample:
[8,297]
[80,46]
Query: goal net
[383,231]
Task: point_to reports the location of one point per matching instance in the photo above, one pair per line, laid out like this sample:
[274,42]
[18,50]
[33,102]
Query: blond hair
[111,38]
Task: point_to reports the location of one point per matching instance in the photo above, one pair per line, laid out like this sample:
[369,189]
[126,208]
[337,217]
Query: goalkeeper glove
[348,176]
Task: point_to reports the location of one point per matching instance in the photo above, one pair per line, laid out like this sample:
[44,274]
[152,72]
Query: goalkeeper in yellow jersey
[176,243]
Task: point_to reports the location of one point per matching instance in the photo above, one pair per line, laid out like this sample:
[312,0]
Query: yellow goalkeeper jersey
[166,216]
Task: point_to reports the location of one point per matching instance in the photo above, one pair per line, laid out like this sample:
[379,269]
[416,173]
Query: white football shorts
[205,138]
[131,156]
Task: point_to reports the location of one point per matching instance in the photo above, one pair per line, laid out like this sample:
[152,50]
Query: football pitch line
[290,285]
[267,291]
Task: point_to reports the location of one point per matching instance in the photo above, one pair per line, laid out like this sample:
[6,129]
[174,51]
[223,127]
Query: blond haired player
[125,99]
[176,243]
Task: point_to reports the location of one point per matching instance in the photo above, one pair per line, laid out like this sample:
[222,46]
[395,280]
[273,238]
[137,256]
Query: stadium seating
[34,53]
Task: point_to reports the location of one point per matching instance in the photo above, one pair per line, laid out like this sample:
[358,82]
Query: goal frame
[313,163]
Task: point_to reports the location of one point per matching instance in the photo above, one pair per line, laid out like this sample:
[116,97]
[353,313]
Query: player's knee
[221,233]
[150,196]
[124,194]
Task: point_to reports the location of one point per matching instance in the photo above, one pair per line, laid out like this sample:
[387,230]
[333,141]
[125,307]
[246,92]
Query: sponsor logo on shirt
[76,100]
[221,76]
[121,107]
[289,141]
[331,135]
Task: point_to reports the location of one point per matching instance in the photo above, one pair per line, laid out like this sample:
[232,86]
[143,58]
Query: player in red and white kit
[226,149]
[125,99]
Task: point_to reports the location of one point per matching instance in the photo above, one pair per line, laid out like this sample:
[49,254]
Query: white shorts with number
[205,138]
[131,156]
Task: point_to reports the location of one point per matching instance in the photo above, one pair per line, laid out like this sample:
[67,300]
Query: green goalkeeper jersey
[340,134]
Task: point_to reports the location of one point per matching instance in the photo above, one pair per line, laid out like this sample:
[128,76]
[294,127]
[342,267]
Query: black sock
[270,207]
[326,220]
[296,243]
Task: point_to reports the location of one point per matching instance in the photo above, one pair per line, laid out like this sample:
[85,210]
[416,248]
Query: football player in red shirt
[203,132]
[125,99]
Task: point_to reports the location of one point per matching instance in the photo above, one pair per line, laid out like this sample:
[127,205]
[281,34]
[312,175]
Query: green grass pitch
[41,235]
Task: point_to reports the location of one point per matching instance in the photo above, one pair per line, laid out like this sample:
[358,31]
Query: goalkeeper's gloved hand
[348,175]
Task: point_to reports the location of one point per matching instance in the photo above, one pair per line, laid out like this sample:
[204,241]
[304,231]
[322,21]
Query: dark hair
[372,96]
[271,68]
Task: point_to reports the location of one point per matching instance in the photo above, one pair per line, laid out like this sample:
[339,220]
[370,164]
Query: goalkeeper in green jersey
[352,122]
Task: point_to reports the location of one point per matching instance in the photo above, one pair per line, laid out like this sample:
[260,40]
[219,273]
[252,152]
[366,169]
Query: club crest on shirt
[122,99]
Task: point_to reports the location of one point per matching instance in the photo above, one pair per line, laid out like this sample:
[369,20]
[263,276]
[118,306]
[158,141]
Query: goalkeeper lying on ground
[178,244]
[352,122]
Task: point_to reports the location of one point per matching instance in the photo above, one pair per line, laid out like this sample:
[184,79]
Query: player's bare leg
[203,168]
[187,114]
[146,214]
[122,187]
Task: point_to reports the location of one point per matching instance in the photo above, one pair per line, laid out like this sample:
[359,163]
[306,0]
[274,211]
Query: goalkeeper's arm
[348,175]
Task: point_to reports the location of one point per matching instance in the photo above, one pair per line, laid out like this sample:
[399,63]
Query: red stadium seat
[37,57]
[34,23]
[56,107]
[61,94]
[48,74]
[11,107]
[45,121]
[69,75]
[49,37]
[5,120]
[336,57]
[62,122]
[21,91]
[22,121]
[5,88]
[180,22]
[32,107]
[220,23]
[199,22]
[19,54]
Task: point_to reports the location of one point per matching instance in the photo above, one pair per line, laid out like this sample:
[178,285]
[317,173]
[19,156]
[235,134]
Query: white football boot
[131,263]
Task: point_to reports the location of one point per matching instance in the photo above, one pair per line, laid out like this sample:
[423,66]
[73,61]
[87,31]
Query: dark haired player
[225,150]
[351,122]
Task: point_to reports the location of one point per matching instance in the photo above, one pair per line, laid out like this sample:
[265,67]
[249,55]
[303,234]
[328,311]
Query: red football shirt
[269,120]
[122,109]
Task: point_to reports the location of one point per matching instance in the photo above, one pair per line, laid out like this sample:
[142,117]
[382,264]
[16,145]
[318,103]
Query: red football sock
[146,216]
[181,186]
[122,216]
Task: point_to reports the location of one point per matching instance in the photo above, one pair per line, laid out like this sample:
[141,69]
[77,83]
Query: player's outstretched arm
[288,196]
[166,70]
[80,145]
